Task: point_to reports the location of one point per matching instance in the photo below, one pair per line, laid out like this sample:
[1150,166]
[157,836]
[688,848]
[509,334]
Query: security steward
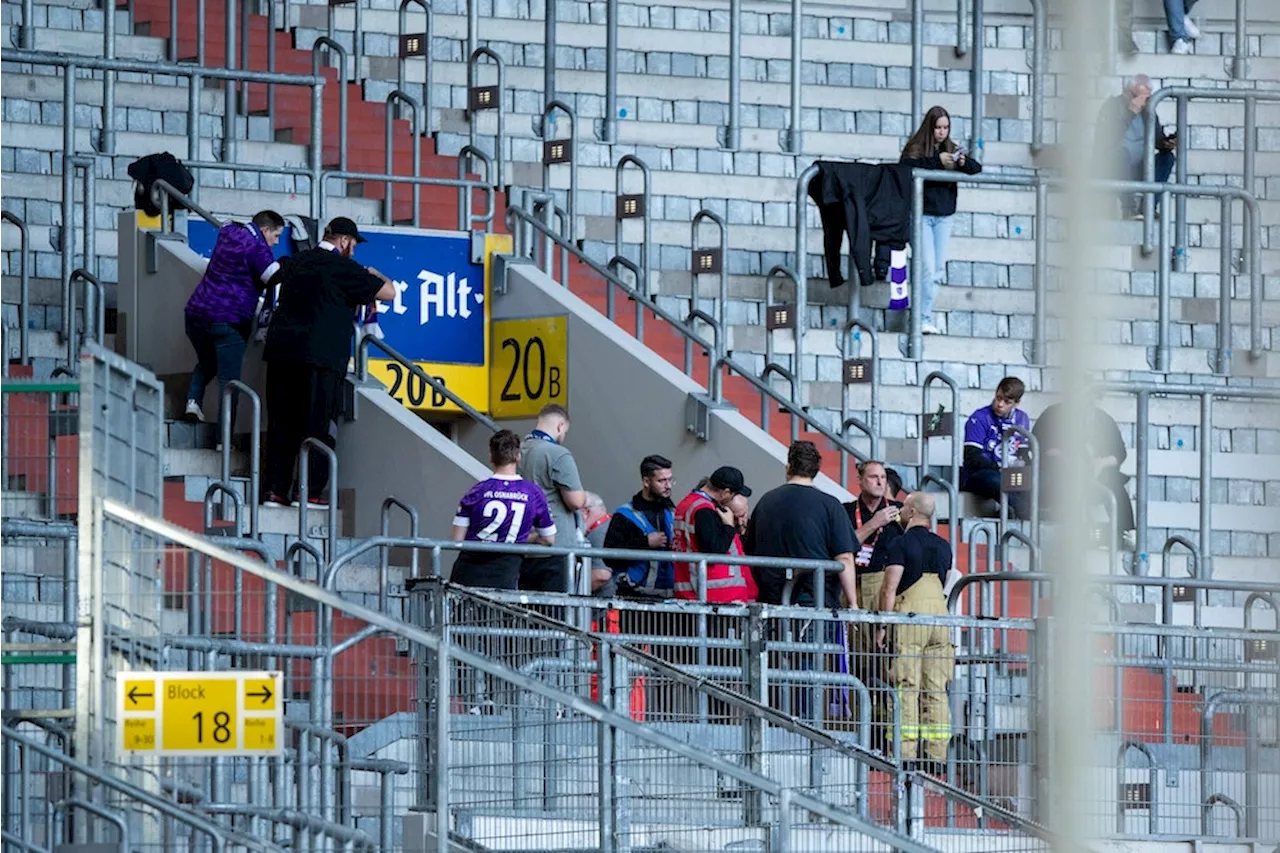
[705,524]
[645,523]
[917,563]
[308,346]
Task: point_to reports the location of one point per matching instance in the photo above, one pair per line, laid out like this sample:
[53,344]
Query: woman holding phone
[931,147]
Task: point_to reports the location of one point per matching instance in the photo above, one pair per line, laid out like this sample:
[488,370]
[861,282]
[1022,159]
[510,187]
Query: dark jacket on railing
[940,198]
[154,167]
[870,202]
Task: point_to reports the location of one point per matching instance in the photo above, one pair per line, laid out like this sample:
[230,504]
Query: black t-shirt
[919,551]
[870,555]
[803,523]
[315,317]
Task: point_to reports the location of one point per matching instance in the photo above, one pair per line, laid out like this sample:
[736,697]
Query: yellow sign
[201,713]
[530,365]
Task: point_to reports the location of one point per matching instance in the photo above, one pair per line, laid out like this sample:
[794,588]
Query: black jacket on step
[869,202]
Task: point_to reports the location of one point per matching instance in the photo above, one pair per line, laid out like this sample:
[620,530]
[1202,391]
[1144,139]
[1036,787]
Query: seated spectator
[1106,452]
[1120,140]
[704,524]
[548,463]
[219,314]
[595,523]
[983,432]
[645,523]
[799,521]
[502,508]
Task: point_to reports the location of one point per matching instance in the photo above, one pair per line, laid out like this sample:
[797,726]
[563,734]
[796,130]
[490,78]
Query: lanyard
[537,433]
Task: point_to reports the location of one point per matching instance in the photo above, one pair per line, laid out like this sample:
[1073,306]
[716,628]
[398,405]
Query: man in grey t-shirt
[546,461]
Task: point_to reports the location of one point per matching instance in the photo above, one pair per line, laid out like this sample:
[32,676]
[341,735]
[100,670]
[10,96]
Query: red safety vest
[725,582]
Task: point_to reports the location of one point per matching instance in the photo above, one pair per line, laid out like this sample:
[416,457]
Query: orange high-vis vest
[726,582]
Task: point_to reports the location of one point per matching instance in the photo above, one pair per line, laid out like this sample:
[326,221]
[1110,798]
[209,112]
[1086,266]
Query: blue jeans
[937,233]
[219,353]
[1174,12]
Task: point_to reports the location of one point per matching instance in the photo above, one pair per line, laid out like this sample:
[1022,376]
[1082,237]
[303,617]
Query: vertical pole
[1164,285]
[917,60]
[317,149]
[733,133]
[1225,279]
[440,746]
[229,93]
[548,59]
[795,139]
[473,27]
[1180,202]
[1206,484]
[753,724]
[28,30]
[108,80]
[194,87]
[1250,157]
[609,127]
[1240,62]
[68,197]
[915,337]
[978,105]
[1039,52]
[200,10]
[605,760]
[1141,447]
[1040,274]
[271,59]
[245,22]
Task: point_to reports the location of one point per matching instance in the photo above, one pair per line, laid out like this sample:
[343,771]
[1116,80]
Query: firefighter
[705,524]
[923,658]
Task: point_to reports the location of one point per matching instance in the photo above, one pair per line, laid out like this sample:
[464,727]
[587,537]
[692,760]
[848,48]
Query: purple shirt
[240,266]
[504,508]
[983,431]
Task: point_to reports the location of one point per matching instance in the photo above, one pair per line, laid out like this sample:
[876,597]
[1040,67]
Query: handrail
[446,651]
[848,337]
[67,241]
[646,219]
[428,36]
[727,362]
[384,529]
[571,203]
[466,219]
[1266,598]
[362,374]
[99,320]
[1110,580]
[722,303]
[1153,771]
[24,280]
[164,193]
[703,684]
[415,180]
[501,108]
[1033,446]
[304,486]
[1224,800]
[1251,802]
[800,323]
[215,833]
[388,214]
[940,376]
[255,444]
[770,369]
[168,69]
[717,339]
[327,43]
[121,825]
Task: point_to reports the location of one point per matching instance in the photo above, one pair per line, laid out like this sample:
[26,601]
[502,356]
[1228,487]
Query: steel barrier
[499,142]
[24,286]
[323,46]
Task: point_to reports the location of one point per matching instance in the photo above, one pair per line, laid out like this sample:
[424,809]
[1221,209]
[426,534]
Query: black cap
[341,226]
[729,478]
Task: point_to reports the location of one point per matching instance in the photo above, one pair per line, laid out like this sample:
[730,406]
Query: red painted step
[29,447]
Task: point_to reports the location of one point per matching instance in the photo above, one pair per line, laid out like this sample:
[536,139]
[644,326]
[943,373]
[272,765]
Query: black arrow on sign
[265,693]
[134,695]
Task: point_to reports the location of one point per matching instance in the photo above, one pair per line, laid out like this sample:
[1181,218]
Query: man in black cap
[308,345]
[705,524]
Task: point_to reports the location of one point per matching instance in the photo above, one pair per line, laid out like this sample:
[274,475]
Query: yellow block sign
[201,713]
[530,363]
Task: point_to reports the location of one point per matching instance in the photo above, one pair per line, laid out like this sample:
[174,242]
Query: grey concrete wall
[626,402]
[388,450]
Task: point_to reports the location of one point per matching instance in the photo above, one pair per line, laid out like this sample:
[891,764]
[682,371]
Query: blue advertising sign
[439,313]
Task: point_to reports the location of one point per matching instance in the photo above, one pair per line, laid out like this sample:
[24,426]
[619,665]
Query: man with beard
[645,523]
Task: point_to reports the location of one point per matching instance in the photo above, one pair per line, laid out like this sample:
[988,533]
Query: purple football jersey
[504,509]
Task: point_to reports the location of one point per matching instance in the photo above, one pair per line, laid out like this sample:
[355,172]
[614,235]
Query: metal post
[473,27]
[317,149]
[229,92]
[323,44]
[571,205]
[466,155]
[964,36]
[754,726]
[245,23]
[722,298]
[1164,284]
[1206,484]
[1180,203]
[108,138]
[1222,363]
[200,39]
[605,758]
[357,44]
[977,104]
[549,56]
[1039,55]
[28,33]
[1141,448]
[915,335]
[194,87]
[1240,62]
[388,203]
[1039,274]
[1250,157]
[609,126]
[646,220]
[795,135]
[499,176]
[68,196]
[917,59]
[401,83]
[24,287]
[733,131]
[271,60]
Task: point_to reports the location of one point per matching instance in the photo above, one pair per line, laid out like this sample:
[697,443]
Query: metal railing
[428,122]
[388,215]
[851,334]
[500,137]
[544,128]
[621,216]
[417,182]
[792,139]
[1182,96]
[323,46]
[95,312]
[226,420]
[24,285]
[437,387]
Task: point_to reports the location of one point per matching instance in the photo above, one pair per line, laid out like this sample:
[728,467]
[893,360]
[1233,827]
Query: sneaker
[1137,215]
[930,329]
[1181,47]
[194,412]
[1189,26]
[315,502]
[273,500]
[1129,541]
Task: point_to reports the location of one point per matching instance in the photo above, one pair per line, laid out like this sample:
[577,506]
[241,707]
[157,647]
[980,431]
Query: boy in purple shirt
[504,508]
[982,438]
[219,314]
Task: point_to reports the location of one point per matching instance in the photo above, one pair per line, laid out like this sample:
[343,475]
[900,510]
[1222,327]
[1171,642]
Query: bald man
[923,657]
